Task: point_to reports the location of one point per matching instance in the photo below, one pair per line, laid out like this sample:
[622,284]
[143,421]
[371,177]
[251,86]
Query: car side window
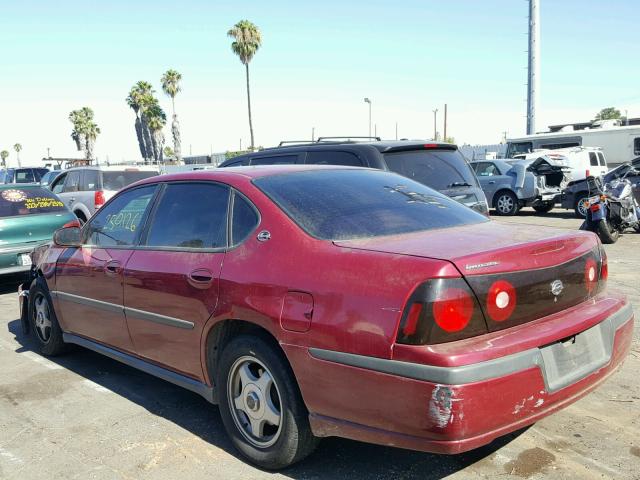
[58,183]
[90,180]
[72,183]
[235,164]
[118,223]
[486,170]
[636,146]
[593,159]
[275,160]
[334,158]
[25,176]
[244,219]
[601,158]
[190,215]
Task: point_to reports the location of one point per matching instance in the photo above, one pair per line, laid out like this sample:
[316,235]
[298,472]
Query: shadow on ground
[530,212]
[334,458]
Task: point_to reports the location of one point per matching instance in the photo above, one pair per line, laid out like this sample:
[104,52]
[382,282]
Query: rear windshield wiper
[459,184]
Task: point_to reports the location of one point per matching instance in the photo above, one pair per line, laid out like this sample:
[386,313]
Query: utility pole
[190,150]
[368,100]
[504,136]
[48,154]
[375,130]
[444,138]
[313,134]
[240,144]
[435,124]
[533,66]
[396,130]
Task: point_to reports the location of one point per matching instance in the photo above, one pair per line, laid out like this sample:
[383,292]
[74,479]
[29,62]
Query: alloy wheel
[254,401]
[42,318]
[582,206]
[505,204]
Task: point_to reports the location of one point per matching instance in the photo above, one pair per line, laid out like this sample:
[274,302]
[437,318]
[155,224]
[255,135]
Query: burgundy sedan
[331,301]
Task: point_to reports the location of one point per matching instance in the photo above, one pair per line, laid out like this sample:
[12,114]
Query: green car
[29,215]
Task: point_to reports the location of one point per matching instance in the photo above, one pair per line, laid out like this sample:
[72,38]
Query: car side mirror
[67,237]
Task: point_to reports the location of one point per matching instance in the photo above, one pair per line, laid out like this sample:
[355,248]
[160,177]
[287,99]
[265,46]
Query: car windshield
[28,201]
[347,204]
[117,180]
[439,169]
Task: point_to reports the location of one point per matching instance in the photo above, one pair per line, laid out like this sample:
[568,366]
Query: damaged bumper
[455,408]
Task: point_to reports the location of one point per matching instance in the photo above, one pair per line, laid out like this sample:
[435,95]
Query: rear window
[118,180]
[593,159]
[438,169]
[601,158]
[28,201]
[347,204]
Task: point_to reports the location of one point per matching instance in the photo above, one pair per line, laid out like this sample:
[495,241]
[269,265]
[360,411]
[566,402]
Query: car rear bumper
[10,259]
[451,409]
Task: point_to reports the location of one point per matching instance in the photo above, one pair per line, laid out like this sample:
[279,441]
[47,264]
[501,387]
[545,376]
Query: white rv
[620,144]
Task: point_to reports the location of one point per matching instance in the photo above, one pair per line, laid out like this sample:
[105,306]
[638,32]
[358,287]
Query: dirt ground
[89,417]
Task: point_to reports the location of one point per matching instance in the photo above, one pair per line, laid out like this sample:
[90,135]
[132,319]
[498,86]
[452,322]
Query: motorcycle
[611,208]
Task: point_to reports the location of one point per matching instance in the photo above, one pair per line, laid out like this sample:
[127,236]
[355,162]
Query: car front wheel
[261,406]
[44,323]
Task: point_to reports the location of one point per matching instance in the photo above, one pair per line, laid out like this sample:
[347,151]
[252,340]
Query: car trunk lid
[541,270]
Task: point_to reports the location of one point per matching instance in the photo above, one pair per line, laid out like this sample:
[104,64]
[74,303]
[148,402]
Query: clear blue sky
[318,61]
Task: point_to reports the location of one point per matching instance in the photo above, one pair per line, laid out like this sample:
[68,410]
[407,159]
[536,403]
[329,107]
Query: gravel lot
[86,416]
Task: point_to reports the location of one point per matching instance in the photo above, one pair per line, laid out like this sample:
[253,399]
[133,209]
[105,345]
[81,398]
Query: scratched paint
[440,405]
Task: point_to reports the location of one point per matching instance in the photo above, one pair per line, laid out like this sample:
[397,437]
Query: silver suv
[85,189]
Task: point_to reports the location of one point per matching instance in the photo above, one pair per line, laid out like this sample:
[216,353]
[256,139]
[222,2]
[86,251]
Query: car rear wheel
[544,207]
[506,203]
[580,205]
[44,323]
[261,406]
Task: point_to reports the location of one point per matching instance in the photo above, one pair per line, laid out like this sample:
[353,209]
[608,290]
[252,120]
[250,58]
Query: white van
[583,161]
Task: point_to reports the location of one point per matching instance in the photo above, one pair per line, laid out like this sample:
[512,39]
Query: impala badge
[556,289]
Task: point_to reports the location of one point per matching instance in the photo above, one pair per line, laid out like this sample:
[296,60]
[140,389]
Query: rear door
[487,173]
[171,280]
[89,279]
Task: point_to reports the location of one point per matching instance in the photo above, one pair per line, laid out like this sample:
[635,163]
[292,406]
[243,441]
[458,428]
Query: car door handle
[492,182]
[200,278]
[112,267]
[72,199]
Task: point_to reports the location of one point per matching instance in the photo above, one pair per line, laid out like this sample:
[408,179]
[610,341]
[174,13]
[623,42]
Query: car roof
[382,146]
[116,168]
[247,172]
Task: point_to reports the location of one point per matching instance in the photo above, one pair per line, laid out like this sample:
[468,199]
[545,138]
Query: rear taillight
[604,269]
[98,199]
[441,310]
[501,300]
[587,173]
[591,275]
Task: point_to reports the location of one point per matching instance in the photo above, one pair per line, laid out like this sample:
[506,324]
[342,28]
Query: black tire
[285,444]
[606,233]
[47,330]
[578,204]
[506,203]
[544,207]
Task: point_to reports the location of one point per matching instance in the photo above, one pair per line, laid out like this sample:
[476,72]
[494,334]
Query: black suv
[437,165]
[22,175]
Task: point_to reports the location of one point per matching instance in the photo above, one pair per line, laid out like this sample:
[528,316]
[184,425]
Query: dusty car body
[509,186]
[334,301]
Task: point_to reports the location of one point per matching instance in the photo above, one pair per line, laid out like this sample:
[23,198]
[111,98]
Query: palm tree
[85,130]
[247,41]
[171,86]
[3,156]
[17,147]
[157,119]
[134,100]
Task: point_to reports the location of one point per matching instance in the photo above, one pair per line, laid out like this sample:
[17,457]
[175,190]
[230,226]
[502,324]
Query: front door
[89,279]
[171,280]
